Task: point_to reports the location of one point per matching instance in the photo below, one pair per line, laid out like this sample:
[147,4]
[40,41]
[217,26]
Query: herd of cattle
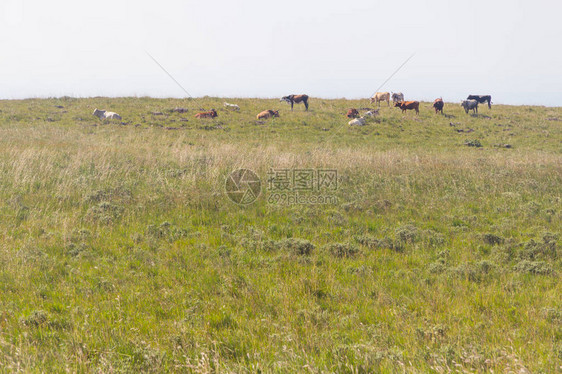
[471,103]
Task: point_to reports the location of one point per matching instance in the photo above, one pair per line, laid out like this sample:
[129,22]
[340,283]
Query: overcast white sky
[256,48]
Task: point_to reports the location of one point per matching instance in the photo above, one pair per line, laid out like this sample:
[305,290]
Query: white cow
[397,97]
[103,114]
[358,121]
[372,113]
[232,106]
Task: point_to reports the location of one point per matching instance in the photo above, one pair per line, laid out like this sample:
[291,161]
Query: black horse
[481,99]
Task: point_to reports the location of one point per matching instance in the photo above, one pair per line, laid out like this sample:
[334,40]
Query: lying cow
[103,114]
[358,122]
[408,105]
[397,96]
[470,104]
[381,96]
[481,99]
[210,114]
[438,105]
[372,113]
[231,106]
[352,113]
[268,114]
[296,99]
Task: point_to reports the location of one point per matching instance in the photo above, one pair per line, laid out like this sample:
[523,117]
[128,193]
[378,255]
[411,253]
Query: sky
[256,48]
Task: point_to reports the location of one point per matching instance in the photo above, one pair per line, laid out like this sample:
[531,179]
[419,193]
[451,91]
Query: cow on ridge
[352,113]
[397,96]
[104,114]
[210,114]
[481,99]
[381,96]
[358,122]
[408,105]
[268,114]
[470,105]
[231,106]
[296,99]
[438,105]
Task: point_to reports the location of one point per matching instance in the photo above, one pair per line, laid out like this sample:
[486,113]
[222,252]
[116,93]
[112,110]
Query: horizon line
[233,97]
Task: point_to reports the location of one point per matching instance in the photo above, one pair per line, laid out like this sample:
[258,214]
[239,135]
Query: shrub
[437,267]
[166,231]
[546,249]
[105,212]
[473,143]
[299,247]
[553,315]
[35,318]
[533,267]
[407,233]
[383,243]
[503,254]
[75,249]
[473,272]
[434,239]
[109,194]
[558,350]
[492,239]
[341,250]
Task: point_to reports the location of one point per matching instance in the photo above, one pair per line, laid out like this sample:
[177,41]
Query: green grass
[120,251]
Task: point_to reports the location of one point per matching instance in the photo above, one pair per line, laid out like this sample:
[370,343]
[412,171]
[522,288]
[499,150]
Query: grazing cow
[381,96]
[232,106]
[103,114]
[295,99]
[470,104]
[407,105]
[438,105]
[352,113]
[358,121]
[210,114]
[397,96]
[481,99]
[268,114]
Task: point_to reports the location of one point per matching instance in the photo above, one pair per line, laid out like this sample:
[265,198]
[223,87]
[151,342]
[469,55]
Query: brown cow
[438,105]
[292,99]
[210,114]
[268,114]
[406,105]
[352,113]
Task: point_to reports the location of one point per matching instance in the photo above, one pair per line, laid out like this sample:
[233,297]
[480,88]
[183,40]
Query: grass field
[120,251]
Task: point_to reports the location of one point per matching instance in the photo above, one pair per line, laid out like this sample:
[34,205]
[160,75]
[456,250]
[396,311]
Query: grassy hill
[439,249]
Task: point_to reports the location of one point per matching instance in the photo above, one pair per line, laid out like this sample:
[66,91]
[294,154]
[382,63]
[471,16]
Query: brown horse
[292,99]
